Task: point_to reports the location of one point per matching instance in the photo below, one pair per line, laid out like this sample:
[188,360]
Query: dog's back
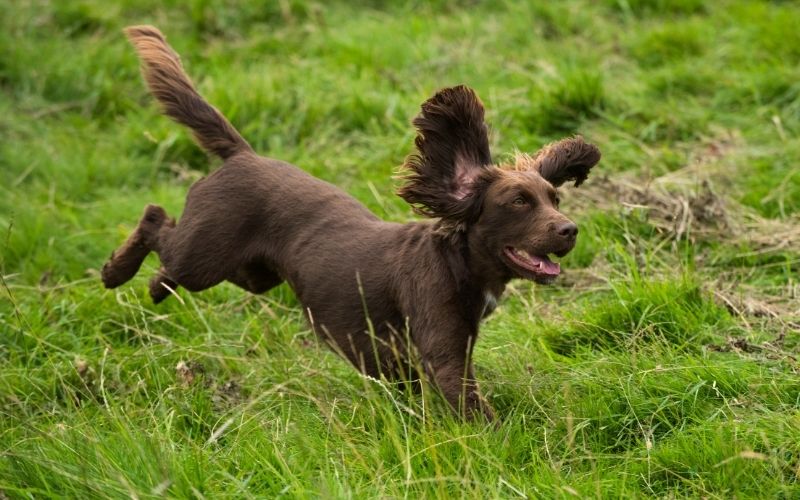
[243,219]
[257,221]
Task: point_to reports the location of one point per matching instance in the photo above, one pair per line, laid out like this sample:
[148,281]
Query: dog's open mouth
[537,267]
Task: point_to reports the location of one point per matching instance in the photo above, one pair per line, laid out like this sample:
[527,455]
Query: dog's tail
[163,72]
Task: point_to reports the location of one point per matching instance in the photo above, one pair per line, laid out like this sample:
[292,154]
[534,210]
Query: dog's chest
[489,303]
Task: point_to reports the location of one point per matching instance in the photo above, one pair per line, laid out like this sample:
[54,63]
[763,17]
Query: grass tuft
[677,314]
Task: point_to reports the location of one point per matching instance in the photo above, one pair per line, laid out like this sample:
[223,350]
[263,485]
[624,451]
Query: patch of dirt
[764,350]
[187,372]
[687,203]
[224,395]
[227,395]
[753,302]
[691,214]
[778,312]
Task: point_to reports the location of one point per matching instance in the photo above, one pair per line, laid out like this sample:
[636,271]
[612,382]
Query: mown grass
[663,363]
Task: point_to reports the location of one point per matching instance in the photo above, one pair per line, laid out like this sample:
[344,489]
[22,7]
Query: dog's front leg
[447,358]
[458,385]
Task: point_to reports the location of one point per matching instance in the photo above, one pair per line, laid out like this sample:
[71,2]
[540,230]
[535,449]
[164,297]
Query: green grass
[663,363]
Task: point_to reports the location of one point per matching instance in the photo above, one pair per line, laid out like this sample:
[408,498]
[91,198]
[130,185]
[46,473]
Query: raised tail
[163,72]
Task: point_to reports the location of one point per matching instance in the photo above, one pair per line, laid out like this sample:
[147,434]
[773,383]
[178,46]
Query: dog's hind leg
[126,260]
[161,286]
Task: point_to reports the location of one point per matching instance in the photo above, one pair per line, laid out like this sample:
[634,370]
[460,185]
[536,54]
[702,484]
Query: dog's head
[510,210]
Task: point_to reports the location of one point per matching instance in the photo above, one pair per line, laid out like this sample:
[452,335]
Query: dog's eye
[519,201]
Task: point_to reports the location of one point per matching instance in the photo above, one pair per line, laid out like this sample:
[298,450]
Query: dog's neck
[476,267]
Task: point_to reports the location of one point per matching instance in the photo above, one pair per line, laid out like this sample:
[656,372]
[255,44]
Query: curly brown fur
[565,160]
[453,147]
[374,290]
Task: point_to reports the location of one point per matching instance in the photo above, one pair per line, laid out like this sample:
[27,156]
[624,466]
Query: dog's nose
[567,230]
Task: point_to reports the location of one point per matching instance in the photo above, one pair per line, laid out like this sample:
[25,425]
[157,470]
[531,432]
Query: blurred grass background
[663,363]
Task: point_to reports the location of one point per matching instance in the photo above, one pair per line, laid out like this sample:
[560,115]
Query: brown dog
[372,289]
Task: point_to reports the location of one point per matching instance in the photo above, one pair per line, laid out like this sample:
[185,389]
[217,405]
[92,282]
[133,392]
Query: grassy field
[664,362]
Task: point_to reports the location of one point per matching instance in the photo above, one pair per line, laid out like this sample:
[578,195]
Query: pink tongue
[550,267]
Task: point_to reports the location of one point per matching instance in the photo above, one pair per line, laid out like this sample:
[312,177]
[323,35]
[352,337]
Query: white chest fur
[489,303]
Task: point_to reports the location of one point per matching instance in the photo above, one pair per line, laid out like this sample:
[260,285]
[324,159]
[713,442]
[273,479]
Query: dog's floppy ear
[452,151]
[566,160]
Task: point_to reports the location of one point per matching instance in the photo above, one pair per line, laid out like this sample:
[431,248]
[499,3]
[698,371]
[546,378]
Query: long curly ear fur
[566,160]
[452,151]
